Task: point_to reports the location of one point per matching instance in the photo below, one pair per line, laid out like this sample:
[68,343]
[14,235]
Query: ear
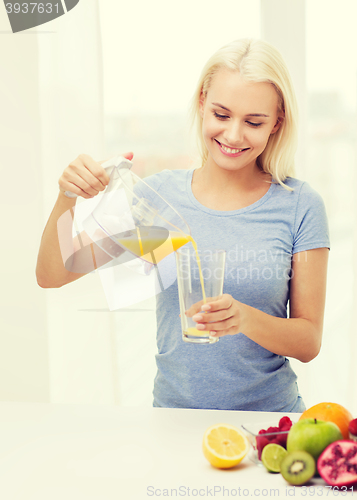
[202,104]
[279,121]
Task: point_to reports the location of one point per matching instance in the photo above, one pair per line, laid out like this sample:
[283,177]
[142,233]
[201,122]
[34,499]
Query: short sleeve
[311,224]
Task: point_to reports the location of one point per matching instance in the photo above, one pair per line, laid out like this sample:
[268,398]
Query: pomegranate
[337,464]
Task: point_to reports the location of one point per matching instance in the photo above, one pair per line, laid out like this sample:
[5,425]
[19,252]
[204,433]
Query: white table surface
[85,452]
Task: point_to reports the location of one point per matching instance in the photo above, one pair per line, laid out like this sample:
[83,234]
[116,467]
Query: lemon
[224,445]
[272,455]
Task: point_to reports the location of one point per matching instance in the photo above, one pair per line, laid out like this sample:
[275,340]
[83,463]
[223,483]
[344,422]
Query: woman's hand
[85,177]
[222,316]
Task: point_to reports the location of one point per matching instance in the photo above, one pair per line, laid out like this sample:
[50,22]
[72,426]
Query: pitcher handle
[115,162]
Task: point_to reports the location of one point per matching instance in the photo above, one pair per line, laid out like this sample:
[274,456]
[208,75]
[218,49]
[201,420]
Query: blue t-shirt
[235,373]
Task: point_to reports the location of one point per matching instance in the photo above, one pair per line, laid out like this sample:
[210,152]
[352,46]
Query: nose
[234,133]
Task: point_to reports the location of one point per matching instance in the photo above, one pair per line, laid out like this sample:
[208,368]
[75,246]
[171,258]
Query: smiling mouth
[231,150]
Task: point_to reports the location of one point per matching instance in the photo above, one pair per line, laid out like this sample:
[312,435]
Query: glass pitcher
[132,222]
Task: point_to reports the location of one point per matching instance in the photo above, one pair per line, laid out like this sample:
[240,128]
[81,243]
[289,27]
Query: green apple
[312,435]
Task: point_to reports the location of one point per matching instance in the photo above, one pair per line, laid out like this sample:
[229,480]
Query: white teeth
[232,151]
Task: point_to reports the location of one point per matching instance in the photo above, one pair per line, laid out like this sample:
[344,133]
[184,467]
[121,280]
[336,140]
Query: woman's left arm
[298,336]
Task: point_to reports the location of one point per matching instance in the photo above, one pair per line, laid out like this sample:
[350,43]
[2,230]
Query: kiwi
[298,467]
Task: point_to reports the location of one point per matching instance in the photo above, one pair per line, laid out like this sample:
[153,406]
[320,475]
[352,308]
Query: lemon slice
[272,455]
[224,445]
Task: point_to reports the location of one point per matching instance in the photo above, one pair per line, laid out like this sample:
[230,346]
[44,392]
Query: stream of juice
[139,242]
[136,243]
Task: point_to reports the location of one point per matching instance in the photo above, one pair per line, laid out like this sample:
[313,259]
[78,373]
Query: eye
[254,124]
[220,117]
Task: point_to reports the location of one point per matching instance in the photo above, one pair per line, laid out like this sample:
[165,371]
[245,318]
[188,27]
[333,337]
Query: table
[85,452]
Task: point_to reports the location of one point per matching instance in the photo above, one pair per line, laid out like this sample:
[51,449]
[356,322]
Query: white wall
[24,369]
[283,24]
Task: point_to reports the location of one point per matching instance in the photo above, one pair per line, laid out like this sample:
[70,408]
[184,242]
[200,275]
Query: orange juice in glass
[200,277]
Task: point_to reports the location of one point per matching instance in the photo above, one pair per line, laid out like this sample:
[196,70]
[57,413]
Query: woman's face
[238,119]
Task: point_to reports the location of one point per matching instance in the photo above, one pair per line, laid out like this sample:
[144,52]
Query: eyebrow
[249,114]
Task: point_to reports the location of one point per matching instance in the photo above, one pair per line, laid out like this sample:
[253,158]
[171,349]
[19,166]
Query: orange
[330,412]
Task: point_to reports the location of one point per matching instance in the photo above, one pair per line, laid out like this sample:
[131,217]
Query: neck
[243,180]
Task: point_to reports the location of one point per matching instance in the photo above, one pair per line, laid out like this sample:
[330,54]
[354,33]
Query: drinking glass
[190,287]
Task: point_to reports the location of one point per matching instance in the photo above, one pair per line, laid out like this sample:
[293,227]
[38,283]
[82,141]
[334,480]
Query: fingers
[222,319]
[86,177]
[225,301]
[222,315]
[194,309]
[94,177]
[212,304]
[218,325]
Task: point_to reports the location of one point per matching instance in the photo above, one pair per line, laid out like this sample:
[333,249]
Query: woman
[273,227]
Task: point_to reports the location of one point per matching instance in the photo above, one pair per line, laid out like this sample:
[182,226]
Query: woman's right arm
[84,177]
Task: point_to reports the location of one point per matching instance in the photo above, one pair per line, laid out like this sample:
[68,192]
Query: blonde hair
[256,61]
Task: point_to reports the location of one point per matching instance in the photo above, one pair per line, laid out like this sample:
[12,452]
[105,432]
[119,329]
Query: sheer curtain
[82,364]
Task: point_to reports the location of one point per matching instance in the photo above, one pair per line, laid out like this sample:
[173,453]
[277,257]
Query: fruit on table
[224,445]
[337,464]
[312,435]
[272,455]
[352,429]
[298,467]
[330,412]
[277,435]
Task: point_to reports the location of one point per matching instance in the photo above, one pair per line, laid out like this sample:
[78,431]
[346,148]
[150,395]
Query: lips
[230,151]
